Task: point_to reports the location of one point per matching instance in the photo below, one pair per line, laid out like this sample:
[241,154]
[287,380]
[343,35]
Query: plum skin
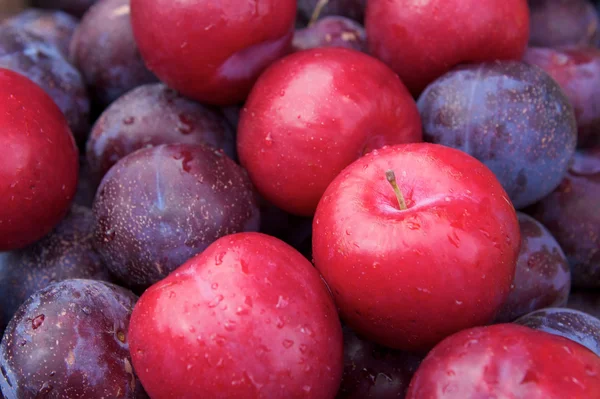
[39,168]
[70,340]
[331,32]
[159,206]
[511,116]
[248,318]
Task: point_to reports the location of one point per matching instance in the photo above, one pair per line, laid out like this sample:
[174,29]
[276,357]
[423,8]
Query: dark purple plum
[577,71]
[69,340]
[577,326]
[43,64]
[558,23]
[104,50]
[160,206]
[587,301]
[52,26]
[542,276]
[571,214]
[331,32]
[66,253]
[354,9]
[374,372]
[511,116]
[149,115]
[73,7]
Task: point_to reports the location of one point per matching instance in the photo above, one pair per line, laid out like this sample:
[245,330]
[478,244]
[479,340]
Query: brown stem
[391,177]
[317,11]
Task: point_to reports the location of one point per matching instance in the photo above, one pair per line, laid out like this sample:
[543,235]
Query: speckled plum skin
[65,253]
[407,279]
[39,163]
[422,40]
[559,23]
[577,71]
[149,115]
[511,116]
[74,7]
[69,340]
[374,372]
[331,32]
[542,276]
[577,326]
[52,26]
[43,63]
[507,361]
[353,9]
[571,214]
[216,50]
[159,206]
[104,50]
[248,318]
[313,113]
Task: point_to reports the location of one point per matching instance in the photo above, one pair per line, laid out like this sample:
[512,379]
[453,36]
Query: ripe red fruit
[39,164]
[409,278]
[248,318]
[313,113]
[423,40]
[212,51]
[507,361]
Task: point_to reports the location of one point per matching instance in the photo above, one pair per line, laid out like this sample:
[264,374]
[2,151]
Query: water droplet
[451,373]
[189,367]
[454,239]
[44,390]
[229,325]
[214,286]
[306,330]
[248,301]
[287,344]
[376,265]
[218,339]
[459,302]
[302,348]
[219,258]
[129,120]
[37,321]
[86,310]
[281,302]
[348,232]
[306,388]
[279,323]
[215,302]
[589,370]
[447,199]
[269,140]
[413,225]
[23,343]
[244,266]
[240,311]
[172,294]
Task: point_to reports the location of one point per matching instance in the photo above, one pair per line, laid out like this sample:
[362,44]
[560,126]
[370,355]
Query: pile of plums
[324,199]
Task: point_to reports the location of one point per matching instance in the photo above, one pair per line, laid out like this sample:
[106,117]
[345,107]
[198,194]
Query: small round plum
[150,115]
[559,23]
[39,163]
[577,326]
[104,50]
[248,318]
[214,51]
[511,116]
[313,113]
[542,276]
[577,71]
[52,26]
[422,40]
[507,361]
[70,340]
[159,206]
[353,9]
[571,214]
[374,372]
[331,32]
[65,253]
[73,7]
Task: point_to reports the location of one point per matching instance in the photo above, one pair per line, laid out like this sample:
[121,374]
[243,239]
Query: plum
[232,114]
[86,189]
[507,361]
[575,325]
[374,372]
[585,301]
[558,23]
[39,163]
[52,26]
[353,9]
[577,71]
[571,214]
[159,206]
[73,7]
[104,50]
[247,318]
[149,115]
[331,32]
[511,116]
[65,253]
[69,340]
[542,276]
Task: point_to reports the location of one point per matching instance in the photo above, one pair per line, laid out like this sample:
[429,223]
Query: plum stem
[391,177]
[317,11]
